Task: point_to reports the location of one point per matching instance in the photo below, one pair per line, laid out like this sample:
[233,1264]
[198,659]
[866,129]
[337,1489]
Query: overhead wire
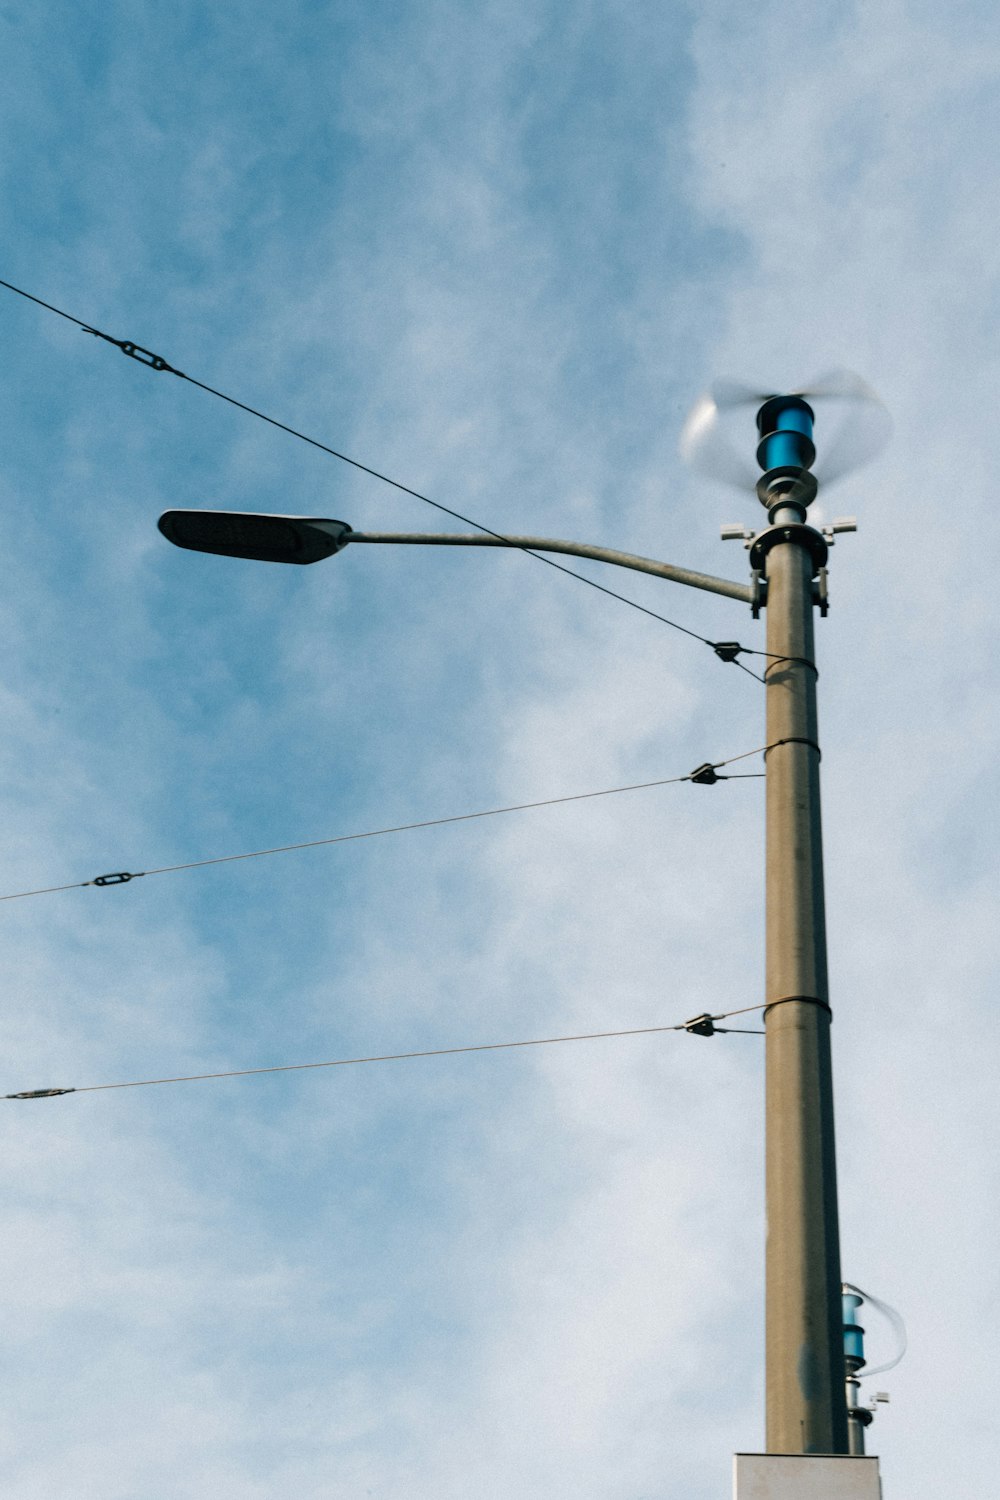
[383,1057]
[123,877]
[157,363]
[743,668]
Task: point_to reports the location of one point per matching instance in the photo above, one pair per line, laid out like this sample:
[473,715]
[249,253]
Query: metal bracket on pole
[758,592]
[738,533]
[843,523]
[813,541]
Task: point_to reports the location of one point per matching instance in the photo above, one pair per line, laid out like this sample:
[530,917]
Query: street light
[806,1409]
[308,539]
[233,533]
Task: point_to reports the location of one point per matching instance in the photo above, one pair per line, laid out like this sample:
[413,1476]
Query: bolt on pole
[806,1409]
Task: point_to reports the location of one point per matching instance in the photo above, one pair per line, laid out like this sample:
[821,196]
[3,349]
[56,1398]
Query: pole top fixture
[786,451]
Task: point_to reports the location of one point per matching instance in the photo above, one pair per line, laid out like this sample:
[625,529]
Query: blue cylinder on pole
[854,1334]
[785,424]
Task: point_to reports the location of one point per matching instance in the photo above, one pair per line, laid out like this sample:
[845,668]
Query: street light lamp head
[259,538]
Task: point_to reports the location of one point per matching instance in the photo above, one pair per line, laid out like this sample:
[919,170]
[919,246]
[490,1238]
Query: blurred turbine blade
[840,384]
[856,424]
[701,420]
[729,393]
[707,448]
[720,437]
[857,441]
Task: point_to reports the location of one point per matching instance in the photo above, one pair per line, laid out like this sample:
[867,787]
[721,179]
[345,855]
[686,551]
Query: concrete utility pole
[806,1409]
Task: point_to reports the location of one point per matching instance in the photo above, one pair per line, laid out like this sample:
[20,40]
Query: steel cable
[157,363]
[123,877]
[346,1062]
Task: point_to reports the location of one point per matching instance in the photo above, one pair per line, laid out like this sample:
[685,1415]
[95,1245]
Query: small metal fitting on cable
[137,352]
[40,1094]
[701,1025]
[727,650]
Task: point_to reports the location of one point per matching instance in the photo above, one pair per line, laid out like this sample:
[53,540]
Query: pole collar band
[794,739]
[795,661]
[801,999]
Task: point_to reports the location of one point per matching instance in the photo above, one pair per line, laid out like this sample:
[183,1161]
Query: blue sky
[495,251]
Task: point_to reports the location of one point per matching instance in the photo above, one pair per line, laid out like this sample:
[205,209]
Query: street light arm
[618,559]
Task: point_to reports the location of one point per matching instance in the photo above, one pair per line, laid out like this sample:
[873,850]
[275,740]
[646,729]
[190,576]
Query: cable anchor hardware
[118,877]
[40,1094]
[727,650]
[701,1025]
[706,775]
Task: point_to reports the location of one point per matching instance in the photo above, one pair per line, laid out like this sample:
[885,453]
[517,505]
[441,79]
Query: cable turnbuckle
[136,352]
[118,877]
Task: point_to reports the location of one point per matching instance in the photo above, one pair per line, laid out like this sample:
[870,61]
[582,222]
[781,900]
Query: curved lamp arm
[618,559]
[309,539]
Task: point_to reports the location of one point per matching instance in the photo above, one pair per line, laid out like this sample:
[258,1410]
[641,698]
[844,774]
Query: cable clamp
[706,775]
[701,1025]
[794,739]
[803,999]
[118,877]
[136,352]
[727,650]
[40,1094]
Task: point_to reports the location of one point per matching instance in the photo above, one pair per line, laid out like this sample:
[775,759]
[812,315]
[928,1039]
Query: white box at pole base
[805,1476]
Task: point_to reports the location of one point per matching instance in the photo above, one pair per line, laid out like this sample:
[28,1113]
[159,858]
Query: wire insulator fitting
[705,775]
